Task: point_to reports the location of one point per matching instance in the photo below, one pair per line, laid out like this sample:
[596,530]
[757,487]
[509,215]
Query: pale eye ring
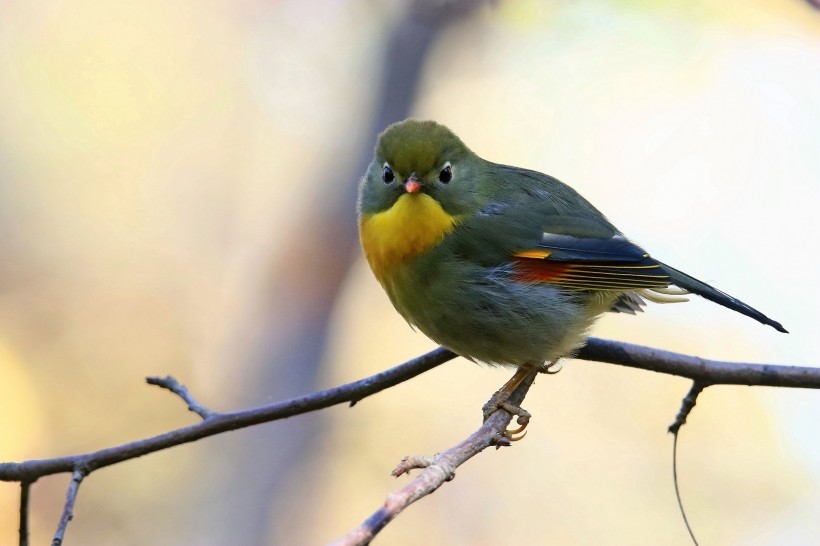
[387,174]
[446,173]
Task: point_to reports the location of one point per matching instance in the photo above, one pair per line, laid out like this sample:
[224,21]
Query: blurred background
[177,191]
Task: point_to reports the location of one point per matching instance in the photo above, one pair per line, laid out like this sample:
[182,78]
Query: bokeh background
[177,188]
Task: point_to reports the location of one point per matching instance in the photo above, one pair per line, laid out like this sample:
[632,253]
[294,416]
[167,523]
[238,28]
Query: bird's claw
[497,402]
[553,368]
[492,405]
[523,420]
[500,400]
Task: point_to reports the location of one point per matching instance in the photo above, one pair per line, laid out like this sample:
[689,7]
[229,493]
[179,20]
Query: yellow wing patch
[533,253]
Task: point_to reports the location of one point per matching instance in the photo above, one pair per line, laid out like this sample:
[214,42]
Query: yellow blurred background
[176,197]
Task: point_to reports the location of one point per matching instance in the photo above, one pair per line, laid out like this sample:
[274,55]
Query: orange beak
[412,185]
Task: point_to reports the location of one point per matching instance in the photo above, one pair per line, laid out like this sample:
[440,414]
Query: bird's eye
[446,174]
[387,174]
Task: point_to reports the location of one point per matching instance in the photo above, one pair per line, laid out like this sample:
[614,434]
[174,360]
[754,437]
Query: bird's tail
[691,284]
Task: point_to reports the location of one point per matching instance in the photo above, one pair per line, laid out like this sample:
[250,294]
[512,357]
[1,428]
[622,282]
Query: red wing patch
[591,276]
[535,271]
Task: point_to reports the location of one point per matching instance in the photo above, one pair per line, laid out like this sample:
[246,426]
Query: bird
[502,265]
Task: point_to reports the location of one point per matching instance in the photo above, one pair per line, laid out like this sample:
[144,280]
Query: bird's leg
[500,397]
[499,400]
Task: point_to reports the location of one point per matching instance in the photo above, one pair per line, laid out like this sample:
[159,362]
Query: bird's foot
[523,420]
[500,400]
[553,368]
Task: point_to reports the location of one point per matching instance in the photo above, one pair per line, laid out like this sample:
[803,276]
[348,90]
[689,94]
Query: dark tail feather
[695,286]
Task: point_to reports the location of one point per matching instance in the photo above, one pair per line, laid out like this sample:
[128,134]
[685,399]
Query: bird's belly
[483,314]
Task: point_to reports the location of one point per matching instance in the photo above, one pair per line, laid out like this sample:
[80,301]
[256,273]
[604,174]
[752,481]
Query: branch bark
[703,372]
[77,478]
[438,469]
[25,490]
[216,423]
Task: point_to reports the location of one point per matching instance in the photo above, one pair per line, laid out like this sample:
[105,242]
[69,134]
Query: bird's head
[420,158]
[422,182]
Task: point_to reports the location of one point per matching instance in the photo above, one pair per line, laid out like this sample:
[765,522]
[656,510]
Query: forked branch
[700,370]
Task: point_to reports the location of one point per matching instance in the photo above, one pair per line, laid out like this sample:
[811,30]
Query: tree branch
[25,490]
[687,405]
[180,390]
[710,372]
[702,371]
[221,422]
[438,469]
[706,371]
[68,509]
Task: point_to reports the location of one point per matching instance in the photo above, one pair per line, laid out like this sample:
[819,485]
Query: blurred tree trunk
[268,462]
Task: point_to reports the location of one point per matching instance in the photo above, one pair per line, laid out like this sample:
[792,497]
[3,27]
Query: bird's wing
[547,241]
[586,263]
[615,264]
[553,235]
[589,263]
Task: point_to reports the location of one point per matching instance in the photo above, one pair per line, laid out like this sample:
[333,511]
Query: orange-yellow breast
[413,225]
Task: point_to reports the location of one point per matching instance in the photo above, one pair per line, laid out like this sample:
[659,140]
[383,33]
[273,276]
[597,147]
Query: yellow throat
[414,224]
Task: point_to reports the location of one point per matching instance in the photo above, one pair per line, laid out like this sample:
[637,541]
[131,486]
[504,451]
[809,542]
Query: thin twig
[222,422]
[25,489]
[170,383]
[68,509]
[437,470]
[677,488]
[686,407]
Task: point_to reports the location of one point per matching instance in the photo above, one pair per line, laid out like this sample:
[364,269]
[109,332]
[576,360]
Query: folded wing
[617,265]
